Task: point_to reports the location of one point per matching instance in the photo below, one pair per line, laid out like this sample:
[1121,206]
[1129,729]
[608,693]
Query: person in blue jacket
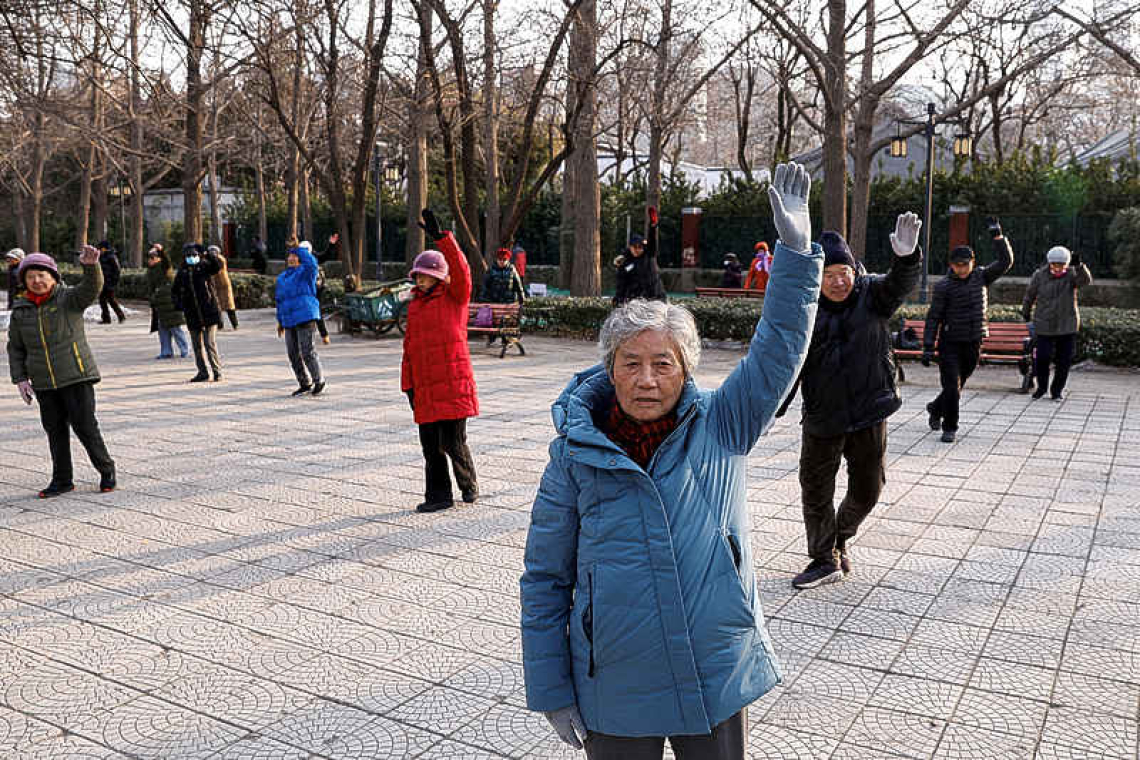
[297,313]
[641,618]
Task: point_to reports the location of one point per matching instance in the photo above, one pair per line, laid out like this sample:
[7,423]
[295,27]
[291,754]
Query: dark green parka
[159,279]
[47,344]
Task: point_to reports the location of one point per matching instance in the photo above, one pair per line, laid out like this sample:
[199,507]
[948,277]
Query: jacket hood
[590,391]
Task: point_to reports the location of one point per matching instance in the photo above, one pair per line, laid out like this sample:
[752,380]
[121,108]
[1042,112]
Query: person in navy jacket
[297,313]
[641,617]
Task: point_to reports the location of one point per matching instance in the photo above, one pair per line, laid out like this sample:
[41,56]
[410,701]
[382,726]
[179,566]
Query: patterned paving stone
[149,728]
[1092,732]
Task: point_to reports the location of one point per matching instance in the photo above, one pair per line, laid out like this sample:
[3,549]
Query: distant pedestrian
[223,288]
[849,390]
[166,319]
[1057,318]
[193,293]
[13,259]
[956,319]
[297,313]
[112,271]
[50,361]
[637,275]
[758,270]
[502,283]
[436,371]
[733,275]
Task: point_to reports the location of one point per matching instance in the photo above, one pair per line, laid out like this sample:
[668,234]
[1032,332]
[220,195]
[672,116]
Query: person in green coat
[50,361]
[166,318]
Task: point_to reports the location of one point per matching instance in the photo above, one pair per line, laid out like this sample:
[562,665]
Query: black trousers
[74,407]
[443,440]
[726,742]
[1057,349]
[829,529]
[232,314]
[957,360]
[107,298]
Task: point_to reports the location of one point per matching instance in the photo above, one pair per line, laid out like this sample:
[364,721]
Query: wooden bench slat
[505,322]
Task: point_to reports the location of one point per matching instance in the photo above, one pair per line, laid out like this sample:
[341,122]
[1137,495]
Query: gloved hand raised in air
[788,194]
[652,216]
[568,724]
[904,240]
[430,225]
[994,227]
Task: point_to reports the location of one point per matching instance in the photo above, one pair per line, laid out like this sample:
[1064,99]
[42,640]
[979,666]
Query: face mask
[192,260]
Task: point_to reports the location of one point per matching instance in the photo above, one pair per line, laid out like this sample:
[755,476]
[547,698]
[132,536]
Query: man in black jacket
[637,275]
[848,386]
[957,319]
[109,261]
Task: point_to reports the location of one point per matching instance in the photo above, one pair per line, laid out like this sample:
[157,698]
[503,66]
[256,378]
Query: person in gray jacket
[1053,288]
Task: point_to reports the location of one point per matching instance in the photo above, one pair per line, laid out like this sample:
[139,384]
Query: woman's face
[425,281]
[648,375]
[38,281]
[152,259]
[293,261]
[1056,267]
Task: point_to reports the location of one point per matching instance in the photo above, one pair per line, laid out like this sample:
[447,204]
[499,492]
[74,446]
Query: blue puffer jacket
[639,601]
[296,292]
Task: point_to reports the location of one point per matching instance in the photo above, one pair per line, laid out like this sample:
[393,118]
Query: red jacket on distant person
[437,363]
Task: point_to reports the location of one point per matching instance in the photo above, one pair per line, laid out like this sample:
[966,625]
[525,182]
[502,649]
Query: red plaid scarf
[638,439]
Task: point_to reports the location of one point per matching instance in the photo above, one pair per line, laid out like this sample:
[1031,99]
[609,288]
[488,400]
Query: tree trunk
[99,202]
[259,181]
[861,177]
[36,183]
[491,241]
[20,222]
[995,128]
[568,224]
[306,204]
[195,90]
[419,118]
[292,189]
[657,107]
[215,201]
[835,121]
[134,163]
[83,210]
[587,274]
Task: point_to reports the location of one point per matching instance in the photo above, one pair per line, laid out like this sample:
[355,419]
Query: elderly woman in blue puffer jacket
[297,313]
[641,619]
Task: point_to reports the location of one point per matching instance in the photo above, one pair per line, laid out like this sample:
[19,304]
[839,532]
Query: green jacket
[158,282]
[47,344]
[1056,310]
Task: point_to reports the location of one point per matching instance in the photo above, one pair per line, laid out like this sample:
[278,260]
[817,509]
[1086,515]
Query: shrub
[1124,233]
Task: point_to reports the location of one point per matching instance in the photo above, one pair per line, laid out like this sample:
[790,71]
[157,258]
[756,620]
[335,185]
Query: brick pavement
[259,587]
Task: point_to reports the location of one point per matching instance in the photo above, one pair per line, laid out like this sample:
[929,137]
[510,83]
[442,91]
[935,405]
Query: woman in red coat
[436,372]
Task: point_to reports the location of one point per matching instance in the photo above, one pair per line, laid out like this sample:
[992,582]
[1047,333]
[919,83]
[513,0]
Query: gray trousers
[726,742]
[206,348]
[302,354]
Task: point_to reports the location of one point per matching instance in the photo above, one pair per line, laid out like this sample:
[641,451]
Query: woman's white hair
[639,315]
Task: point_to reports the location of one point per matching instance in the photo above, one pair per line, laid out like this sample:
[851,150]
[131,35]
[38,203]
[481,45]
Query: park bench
[729,293]
[505,325]
[1005,344]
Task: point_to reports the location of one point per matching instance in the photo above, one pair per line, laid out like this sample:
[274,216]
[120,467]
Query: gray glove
[568,724]
[26,392]
[788,195]
[904,239]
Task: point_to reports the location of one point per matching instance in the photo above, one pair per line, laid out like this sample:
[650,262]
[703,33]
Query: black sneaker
[56,489]
[948,436]
[318,387]
[818,572]
[199,378]
[107,482]
[434,506]
[471,496]
[302,390]
[935,419]
[1038,393]
[1056,396]
[844,561]
[218,378]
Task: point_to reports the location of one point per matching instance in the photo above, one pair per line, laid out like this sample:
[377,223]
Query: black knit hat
[835,250]
[962,253]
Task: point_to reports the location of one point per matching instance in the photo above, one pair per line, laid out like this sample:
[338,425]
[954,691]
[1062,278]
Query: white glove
[788,195]
[904,239]
[89,255]
[26,392]
[568,724]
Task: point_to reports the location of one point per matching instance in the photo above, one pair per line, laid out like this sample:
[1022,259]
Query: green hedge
[1108,336]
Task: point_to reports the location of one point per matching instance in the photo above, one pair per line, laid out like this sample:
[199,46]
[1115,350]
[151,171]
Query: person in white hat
[13,257]
[1056,318]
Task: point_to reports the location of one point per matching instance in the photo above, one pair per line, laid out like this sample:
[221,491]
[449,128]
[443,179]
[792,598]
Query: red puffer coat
[437,363]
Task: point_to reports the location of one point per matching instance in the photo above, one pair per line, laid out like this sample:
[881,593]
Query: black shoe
[471,496]
[818,572]
[1038,393]
[218,378]
[122,318]
[1056,396]
[106,321]
[200,378]
[56,489]
[844,561]
[935,419]
[302,390]
[948,436]
[434,506]
[107,482]
[318,387]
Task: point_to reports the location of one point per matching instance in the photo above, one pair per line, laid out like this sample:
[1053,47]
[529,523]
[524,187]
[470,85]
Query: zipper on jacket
[588,622]
[43,342]
[78,358]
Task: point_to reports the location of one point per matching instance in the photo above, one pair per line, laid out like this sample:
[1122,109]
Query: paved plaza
[260,586]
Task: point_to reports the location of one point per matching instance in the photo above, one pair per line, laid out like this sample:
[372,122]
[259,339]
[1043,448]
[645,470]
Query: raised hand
[88,255]
[430,225]
[652,216]
[788,195]
[904,239]
[994,227]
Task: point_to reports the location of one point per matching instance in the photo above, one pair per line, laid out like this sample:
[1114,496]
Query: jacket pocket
[78,358]
[588,620]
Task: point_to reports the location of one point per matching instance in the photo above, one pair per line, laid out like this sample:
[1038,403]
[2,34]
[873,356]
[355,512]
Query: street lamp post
[963,146]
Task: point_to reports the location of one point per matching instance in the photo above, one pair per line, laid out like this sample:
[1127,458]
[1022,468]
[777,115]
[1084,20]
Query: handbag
[484,317]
